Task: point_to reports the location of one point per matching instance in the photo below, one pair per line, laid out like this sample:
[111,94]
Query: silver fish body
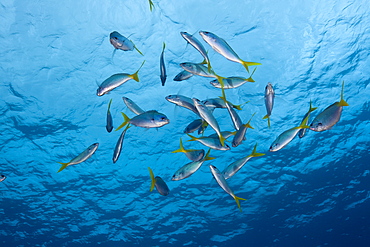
[109,125]
[328,118]
[121,42]
[150,119]
[183,75]
[237,122]
[198,69]
[234,167]
[196,44]
[81,157]
[231,82]
[118,147]
[132,106]
[183,101]
[269,98]
[112,82]
[283,139]
[211,142]
[163,75]
[193,126]
[161,186]
[190,168]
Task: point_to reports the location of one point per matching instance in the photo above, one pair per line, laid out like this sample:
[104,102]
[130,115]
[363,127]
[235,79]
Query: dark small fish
[193,126]
[183,75]
[162,66]
[118,148]
[159,184]
[109,125]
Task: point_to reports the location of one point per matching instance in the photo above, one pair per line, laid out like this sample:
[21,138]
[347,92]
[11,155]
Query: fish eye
[163,118]
[115,38]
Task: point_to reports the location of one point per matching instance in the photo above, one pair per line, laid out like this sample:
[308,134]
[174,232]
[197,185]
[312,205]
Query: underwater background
[54,54]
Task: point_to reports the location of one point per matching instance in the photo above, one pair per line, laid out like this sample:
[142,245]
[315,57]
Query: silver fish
[219,103]
[207,116]
[234,167]
[118,147]
[223,184]
[210,142]
[269,102]
[81,157]
[190,168]
[198,46]
[162,66]
[240,134]
[132,106]
[183,75]
[191,154]
[121,42]
[222,47]
[159,184]
[193,126]
[302,132]
[183,101]
[109,125]
[148,119]
[116,80]
[330,116]
[201,70]
[233,81]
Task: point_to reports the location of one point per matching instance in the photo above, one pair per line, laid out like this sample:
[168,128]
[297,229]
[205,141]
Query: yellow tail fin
[135,75]
[126,120]
[237,201]
[222,139]
[181,149]
[207,157]
[254,153]
[64,165]
[138,50]
[152,179]
[246,64]
[268,120]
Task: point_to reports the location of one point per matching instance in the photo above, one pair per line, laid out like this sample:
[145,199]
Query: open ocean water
[53,56]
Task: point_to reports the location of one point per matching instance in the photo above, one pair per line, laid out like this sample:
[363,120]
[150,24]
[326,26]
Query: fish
[207,116]
[183,101]
[210,142]
[237,122]
[118,147]
[233,81]
[234,167]
[148,119]
[163,75]
[222,47]
[198,46]
[81,157]
[109,126]
[116,80]
[220,103]
[287,136]
[269,102]
[330,116]
[158,183]
[2,178]
[190,168]
[219,177]
[201,70]
[120,42]
[132,106]
[151,5]
[183,75]
[191,154]
[193,126]
[240,134]
[302,132]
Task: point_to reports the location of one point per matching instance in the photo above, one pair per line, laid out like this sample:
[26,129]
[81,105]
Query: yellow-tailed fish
[222,47]
[162,66]
[116,80]
[193,126]
[201,70]
[234,167]
[183,101]
[190,168]
[158,183]
[183,75]
[302,132]
[191,154]
[233,81]
[118,147]
[109,125]
[198,46]
[219,177]
[237,122]
[210,142]
[81,157]
[220,103]
[287,136]
[269,102]
[132,106]
[148,119]
[2,177]
[240,134]
[330,116]
[207,116]
[120,42]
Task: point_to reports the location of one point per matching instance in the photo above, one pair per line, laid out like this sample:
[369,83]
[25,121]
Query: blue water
[314,192]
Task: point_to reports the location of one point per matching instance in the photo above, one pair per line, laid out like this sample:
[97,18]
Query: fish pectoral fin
[64,165]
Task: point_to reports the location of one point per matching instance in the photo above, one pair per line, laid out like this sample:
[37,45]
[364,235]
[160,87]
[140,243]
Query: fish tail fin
[220,79]
[193,138]
[303,124]
[250,79]
[138,51]
[164,46]
[311,108]
[237,200]
[268,120]
[152,178]
[181,149]
[207,157]
[254,152]
[135,75]
[342,102]
[222,139]
[125,121]
[64,165]
[110,102]
[204,61]
[246,64]
[151,5]
[248,123]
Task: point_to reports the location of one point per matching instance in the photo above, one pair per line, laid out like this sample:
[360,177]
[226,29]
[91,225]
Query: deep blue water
[314,192]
